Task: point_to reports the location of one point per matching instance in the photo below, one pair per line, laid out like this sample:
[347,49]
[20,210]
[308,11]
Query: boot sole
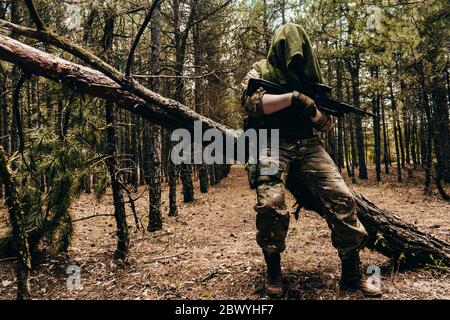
[365,293]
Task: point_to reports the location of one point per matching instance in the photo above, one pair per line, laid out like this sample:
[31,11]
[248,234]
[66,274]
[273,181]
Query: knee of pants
[343,207]
[349,205]
[272,226]
[272,217]
[271,195]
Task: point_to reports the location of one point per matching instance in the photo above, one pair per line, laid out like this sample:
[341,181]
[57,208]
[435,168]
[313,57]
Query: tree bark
[156,108]
[441,124]
[401,241]
[154,165]
[198,95]
[359,134]
[16,219]
[414,156]
[388,234]
[154,179]
[385,140]
[376,128]
[396,133]
[340,127]
[134,152]
[427,144]
[123,239]
[181,38]
[172,177]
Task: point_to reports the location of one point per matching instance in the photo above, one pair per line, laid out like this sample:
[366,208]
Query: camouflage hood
[291,59]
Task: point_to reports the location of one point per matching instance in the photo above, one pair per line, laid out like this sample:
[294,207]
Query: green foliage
[49,177]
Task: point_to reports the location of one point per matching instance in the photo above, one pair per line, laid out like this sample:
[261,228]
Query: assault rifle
[320,93]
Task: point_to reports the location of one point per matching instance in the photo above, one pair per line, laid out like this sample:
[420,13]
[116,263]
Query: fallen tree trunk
[388,234]
[401,241]
[156,108]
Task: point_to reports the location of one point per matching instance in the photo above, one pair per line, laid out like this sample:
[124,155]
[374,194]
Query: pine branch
[154,6]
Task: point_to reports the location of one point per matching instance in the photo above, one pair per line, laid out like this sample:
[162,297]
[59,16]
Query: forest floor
[209,250]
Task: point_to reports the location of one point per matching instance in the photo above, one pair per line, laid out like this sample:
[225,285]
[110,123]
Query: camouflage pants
[307,170]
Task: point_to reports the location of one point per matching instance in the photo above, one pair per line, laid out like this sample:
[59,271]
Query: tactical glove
[325,123]
[304,104]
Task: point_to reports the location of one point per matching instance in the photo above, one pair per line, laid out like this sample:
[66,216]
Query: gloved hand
[325,123]
[304,104]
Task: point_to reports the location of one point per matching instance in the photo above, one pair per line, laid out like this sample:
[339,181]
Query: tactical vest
[291,125]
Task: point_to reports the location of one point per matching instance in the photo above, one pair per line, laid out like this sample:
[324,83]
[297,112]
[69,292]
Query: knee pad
[272,226]
[342,204]
[271,196]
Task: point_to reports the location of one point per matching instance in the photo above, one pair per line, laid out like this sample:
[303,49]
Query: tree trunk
[188,184]
[428,146]
[400,140]
[359,134]
[396,133]
[441,123]
[198,97]
[398,240]
[388,234]
[154,179]
[16,219]
[119,207]
[385,141]
[413,140]
[340,127]
[134,152]
[172,176]
[346,150]
[123,239]
[180,55]
[407,126]
[376,128]
[155,163]
[353,149]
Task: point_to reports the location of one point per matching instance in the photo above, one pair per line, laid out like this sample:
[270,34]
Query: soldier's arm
[272,103]
[262,103]
[252,104]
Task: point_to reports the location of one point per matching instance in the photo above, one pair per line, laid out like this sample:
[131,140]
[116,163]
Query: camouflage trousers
[309,173]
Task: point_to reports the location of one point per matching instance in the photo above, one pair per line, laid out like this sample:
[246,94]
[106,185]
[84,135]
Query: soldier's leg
[272,217]
[272,223]
[335,202]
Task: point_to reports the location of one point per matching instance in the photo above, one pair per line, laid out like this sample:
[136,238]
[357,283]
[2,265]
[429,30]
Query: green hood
[291,59]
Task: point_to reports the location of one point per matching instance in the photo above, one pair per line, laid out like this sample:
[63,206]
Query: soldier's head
[291,56]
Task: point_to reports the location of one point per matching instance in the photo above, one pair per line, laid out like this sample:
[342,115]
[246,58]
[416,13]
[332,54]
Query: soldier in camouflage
[304,167]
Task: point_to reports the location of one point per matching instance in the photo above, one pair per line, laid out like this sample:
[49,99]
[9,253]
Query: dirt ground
[209,250]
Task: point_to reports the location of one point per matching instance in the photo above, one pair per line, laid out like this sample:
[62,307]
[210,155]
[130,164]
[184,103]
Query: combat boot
[352,277]
[273,282]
